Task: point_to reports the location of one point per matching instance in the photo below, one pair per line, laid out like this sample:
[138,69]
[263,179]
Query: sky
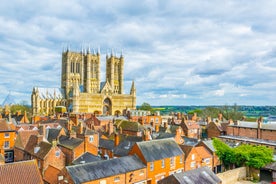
[187,52]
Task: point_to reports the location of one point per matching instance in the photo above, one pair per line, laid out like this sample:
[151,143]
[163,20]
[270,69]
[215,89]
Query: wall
[230,177]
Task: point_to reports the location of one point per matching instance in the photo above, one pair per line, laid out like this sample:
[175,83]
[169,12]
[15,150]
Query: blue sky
[178,52]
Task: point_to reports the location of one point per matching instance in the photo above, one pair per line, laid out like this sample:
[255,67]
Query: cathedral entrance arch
[107,106]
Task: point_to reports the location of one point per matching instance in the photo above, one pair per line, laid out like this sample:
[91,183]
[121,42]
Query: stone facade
[81,89]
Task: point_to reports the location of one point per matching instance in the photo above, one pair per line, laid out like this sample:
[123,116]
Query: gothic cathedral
[81,89]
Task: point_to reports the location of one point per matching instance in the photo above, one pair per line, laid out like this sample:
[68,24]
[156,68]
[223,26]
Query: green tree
[231,112]
[210,111]
[253,156]
[224,152]
[243,155]
[146,106]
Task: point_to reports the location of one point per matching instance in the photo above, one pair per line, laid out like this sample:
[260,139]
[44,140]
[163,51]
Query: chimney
[73,134]
[165,125]
[147,135]
[69,125]
[194,118]
[260,122]
[40,138]
[220,116]
[178,115]
[81,128]
[54,143]
[179,131]
[110,128]
[116,139]
[156,128]
[208,120]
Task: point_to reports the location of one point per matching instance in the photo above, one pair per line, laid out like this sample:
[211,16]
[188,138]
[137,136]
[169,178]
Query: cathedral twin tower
[81,89]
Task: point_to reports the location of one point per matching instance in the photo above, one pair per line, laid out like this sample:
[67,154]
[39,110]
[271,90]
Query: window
[103,182]
[207,160]
[180,159]
[38,164]
[57,153]
[172,161]
[91,138]
[151,166]
[117,179]
[163,163]
[7,135]
[7,144]
[60,178]
[156,120]
[193,156]
[193,164]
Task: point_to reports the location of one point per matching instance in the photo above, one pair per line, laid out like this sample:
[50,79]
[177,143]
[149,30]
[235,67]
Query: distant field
[249,111]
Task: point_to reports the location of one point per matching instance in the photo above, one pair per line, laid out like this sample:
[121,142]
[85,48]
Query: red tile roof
[23,138]
[51,174]
[20,173]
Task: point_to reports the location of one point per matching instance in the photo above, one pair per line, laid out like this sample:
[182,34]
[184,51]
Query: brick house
[21,142]
[72,147]
[216,129]
[208,144]
[191,129]
[257,130]
[162,157]
[50,159]
[196,157]
[26,172]
[7,140]
[149,119]
[128,169]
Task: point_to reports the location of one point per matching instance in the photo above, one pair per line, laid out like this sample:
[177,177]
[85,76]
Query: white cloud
[178,52]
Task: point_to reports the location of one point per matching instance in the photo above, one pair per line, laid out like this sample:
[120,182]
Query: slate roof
[246,124]
[209,144]
[271,166]
[196,176]
[86,158]
[108,144]
[159,149]
[52,133]
[68,142]
[123,148]
[50,93]
[247,139]
[20,173]
[105,168]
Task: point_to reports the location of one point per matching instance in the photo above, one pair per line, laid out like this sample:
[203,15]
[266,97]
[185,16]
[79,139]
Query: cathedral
[81,89]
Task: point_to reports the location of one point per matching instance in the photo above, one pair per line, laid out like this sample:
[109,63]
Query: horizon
[178,53]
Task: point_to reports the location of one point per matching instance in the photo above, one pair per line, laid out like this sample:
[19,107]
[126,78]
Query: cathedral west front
[81,88]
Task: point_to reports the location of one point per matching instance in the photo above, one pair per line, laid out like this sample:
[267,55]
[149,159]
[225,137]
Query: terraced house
[162,157]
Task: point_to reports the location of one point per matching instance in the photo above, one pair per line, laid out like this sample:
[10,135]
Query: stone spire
[133,89]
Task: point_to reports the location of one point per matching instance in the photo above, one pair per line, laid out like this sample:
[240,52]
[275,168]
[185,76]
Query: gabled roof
[209,144]
[203,152]
[49,93]
[105,168]
[43,147]
[159,149]
[23,138]
[191,124]
[196,176]
[108,144]
[52,134]
[86,158]
[123,148]
[50,174]
[105,86]
[20,173]
[5,126]
[68,142]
